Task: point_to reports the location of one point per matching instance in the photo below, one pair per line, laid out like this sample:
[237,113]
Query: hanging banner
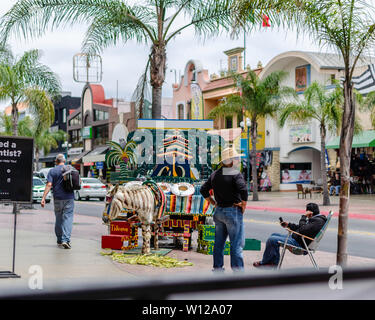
[16,169]
[196,102]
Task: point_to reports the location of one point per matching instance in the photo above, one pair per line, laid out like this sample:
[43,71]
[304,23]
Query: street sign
[16,169]
[99,165]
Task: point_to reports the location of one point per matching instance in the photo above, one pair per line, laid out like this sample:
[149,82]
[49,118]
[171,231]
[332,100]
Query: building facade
[296,147]
[91,126]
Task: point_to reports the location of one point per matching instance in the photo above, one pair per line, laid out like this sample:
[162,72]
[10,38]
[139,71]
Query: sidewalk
[36,245]
[361,206]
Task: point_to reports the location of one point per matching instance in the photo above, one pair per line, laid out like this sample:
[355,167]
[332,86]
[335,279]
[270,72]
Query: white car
[91,188]
[38,190]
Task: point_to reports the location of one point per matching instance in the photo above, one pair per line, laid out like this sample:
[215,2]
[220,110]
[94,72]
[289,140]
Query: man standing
[230,192]
[63,202]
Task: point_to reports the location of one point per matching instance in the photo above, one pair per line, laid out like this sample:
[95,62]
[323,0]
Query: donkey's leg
[156,236]
[146,234]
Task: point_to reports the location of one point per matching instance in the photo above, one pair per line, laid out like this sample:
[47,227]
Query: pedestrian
[63,203]
[230,198]
[335,185]
[309,225]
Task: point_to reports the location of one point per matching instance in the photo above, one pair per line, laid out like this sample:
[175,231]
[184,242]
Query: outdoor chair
[302,191]
[308,249]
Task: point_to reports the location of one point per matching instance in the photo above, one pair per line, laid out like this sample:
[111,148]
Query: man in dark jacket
[309,225]
[230,192]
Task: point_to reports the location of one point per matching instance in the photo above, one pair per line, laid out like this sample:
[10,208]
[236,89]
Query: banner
[295,176]
[16,169]
[196,102]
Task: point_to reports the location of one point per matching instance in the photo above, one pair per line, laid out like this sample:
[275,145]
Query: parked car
[38,190]
[91,188]
[43,173]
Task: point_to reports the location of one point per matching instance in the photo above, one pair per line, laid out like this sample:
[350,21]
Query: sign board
[87,133]
[99,165]
[301,134]
[16,169]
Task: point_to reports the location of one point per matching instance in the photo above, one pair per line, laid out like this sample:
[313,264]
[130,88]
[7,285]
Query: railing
[161,289]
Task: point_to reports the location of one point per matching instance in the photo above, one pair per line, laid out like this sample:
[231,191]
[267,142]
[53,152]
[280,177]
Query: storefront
[94,163]
[362,166]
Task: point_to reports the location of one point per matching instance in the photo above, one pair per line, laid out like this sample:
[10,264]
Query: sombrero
[230,153]
[183,189]
[166,187]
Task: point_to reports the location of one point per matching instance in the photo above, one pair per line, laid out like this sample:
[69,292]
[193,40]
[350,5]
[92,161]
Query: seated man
[309,225]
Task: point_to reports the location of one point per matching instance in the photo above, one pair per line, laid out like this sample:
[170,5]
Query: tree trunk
[254,173]
[36,159]
[157,70]
[326,200]
[346,140]
[14,119]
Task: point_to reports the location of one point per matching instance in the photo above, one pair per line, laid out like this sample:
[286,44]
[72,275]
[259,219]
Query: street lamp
[66,145]
[248,124]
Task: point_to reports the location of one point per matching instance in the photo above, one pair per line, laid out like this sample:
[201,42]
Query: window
[100,135]
[100,115]
[228,122]
[233,63]
[75,138]
[64,115]
[76,120]
[180,111]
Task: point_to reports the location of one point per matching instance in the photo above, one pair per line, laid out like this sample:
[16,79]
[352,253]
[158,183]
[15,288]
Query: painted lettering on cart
[116,228]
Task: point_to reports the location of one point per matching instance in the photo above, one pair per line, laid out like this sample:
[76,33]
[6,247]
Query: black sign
[16,169]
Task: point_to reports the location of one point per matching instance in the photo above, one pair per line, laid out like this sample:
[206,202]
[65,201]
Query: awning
[362,140]
[96,155]
[227,134]
[77,157]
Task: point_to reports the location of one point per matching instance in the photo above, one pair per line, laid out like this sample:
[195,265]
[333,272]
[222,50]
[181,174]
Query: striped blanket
[194,204]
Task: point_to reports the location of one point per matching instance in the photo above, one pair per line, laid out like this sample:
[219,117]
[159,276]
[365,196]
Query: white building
[296,147]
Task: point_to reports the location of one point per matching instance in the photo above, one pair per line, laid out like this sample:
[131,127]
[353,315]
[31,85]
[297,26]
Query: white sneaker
[66,245]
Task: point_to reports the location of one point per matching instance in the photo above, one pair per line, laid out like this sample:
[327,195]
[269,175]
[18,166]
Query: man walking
[63,202]
[230,192]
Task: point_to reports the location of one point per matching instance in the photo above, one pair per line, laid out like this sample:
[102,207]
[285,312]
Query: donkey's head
[111,191]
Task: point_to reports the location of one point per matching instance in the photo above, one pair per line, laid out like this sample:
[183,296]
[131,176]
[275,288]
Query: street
[261,224]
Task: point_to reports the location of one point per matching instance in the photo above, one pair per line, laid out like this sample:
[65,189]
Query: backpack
[71,179]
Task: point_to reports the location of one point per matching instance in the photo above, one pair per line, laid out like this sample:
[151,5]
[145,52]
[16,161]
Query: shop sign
[301,134]
[88,164]
[87,132]
[99,165]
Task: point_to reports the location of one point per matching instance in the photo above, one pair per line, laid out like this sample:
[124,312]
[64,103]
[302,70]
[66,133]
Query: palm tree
[25,126]
[258,99]
[324,107]
[122,155]
[151,22]
[46,140]
[368,104]
[348,27]
[25,79]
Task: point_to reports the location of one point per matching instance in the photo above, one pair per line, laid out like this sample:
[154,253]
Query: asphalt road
[260,225]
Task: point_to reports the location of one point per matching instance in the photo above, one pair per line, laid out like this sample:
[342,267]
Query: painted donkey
[147,200]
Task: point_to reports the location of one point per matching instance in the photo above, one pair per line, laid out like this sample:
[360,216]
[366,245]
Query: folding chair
[310,249]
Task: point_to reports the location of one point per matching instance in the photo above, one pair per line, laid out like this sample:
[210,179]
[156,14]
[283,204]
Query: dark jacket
[229,187]
[308,227]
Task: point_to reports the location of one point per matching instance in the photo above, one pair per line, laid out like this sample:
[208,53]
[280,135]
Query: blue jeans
[229,222]
[272,252]
[64,219]
[337,188]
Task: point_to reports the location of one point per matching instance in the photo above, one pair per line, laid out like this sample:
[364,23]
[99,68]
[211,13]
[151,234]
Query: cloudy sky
[126,62]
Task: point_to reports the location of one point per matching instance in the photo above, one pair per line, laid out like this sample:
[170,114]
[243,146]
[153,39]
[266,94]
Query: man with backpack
[63,181]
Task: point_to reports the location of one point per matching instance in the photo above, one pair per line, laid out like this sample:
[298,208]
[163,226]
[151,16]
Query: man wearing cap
[63,203]
[230,193]
[309,225]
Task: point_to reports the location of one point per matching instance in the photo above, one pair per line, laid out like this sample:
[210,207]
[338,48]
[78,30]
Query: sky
[126,62]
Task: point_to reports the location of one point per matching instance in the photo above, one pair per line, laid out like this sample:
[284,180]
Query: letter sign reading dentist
[16,169]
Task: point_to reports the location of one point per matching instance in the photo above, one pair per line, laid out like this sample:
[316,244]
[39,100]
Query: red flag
[266,21]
